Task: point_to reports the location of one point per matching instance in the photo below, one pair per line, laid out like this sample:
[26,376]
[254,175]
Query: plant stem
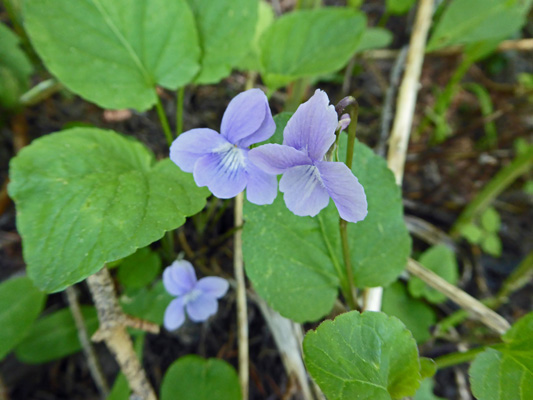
[180,94]
[343,225]
[164,121]
[242,313]
[498,184]
[451,359]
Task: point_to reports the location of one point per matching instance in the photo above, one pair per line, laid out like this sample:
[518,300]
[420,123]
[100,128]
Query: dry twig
[477,309]
[242,314]
[113,332]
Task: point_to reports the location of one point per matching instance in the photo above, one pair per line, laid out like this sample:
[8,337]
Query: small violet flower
[198,297]
[309,180]
[220,161]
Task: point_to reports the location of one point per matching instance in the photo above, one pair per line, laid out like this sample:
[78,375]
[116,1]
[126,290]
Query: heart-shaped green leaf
[295,263]
[308,43]
[226,30]
[192,377]
[114,52]
[363,356]
[88,196]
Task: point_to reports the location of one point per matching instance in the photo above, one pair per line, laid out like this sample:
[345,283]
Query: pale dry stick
[405,109]
[288,336]
[113,332]
[95,368]
[506,45]
[242,312]
[474,307]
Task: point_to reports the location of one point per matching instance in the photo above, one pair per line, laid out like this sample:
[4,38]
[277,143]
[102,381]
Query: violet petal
[345,190]
[213,286]
[202,307]
[244,116]
[174,314]
[277,158]
[262,188]
[264,132]
[179,278]
[192,145]
[312,127]
[222,172]
[304,192]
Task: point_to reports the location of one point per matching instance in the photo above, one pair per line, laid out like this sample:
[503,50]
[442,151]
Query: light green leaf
[363,356]
[506,372]
[88,196]
[226,29]
[293,261]
[307,43]
[425,391]
[55,336]
[492,244]
[416,315]
[374,38]
[147,303]
[20,305]
[15,68]
[120,390]
[193,377]
[114,52]
[251,61]
[441,260]
[490,220]
[399,6]
[472,233]
[139,269]
[428,367]
[468,21]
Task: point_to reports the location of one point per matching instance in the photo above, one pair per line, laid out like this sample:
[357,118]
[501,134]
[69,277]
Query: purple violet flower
[220,161]
[309,180]
[198,297]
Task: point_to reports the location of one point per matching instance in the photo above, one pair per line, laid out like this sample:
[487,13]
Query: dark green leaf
[55,336]
[88,196]
[441,260]
[192,377]
[20,305]
[416,315]
[115,52]
[139,269]
[147,303]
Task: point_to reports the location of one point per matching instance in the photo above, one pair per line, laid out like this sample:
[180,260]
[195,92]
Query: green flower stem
[352,129]
[452,359]
[306,4]
[498,184]
[296,91]
[164,121]
[179,110]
